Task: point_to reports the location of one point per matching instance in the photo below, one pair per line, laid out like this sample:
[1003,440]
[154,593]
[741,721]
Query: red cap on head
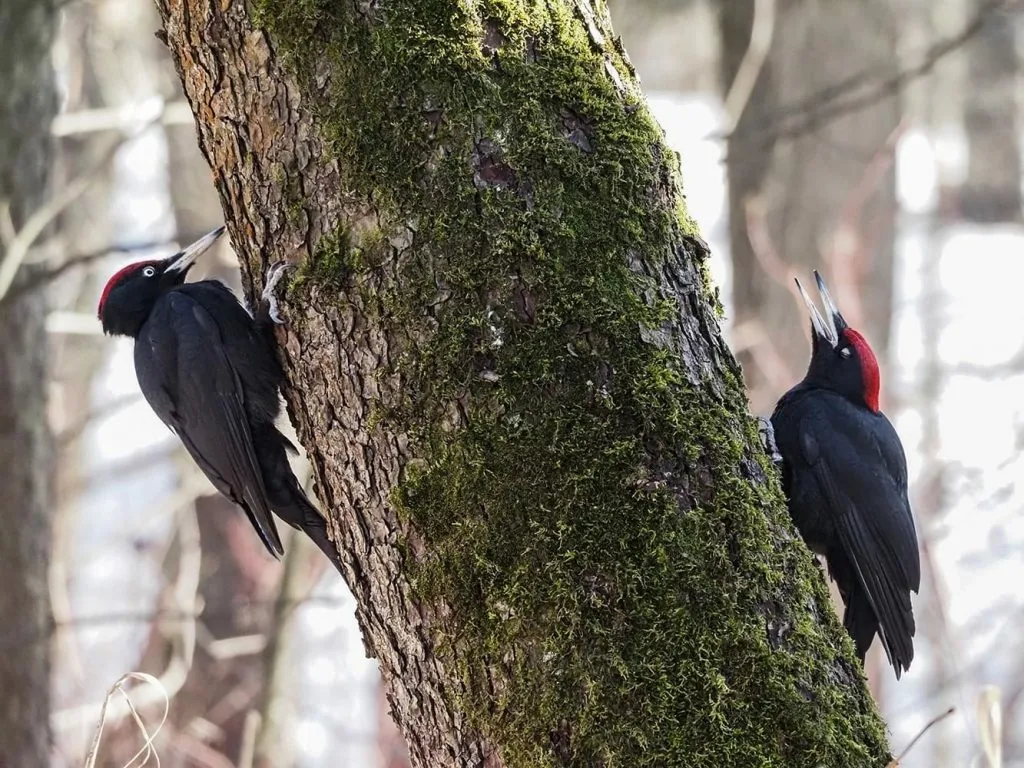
[116,277]
[868,367]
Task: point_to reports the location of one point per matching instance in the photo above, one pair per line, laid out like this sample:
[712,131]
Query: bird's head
[130,293]
[841,358]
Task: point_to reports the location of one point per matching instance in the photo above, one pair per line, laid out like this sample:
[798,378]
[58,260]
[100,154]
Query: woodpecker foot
[768,439]
[274,275]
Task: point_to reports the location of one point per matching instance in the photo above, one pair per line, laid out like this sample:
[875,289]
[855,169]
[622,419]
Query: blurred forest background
[876,140]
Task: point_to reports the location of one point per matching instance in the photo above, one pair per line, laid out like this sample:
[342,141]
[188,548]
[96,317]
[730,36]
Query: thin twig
[934,721]
[182,634]
[147,747]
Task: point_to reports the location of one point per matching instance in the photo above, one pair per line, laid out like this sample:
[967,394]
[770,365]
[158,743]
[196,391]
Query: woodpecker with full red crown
[844,473]
[208,369]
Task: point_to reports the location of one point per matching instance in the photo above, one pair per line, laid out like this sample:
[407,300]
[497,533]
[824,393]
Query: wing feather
[191,384]
[874,527]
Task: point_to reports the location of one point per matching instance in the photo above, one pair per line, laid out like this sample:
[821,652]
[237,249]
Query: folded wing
[190,383]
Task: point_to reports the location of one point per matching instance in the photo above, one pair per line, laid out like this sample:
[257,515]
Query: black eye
[845,352]
[149,271]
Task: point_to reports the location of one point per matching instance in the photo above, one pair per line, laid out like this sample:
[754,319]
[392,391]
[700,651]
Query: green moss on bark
[621,584]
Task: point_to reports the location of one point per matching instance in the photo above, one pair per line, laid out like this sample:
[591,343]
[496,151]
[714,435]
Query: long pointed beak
[821,328]
[182,261]
[834,316]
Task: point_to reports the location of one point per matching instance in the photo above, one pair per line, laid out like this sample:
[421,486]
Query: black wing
[862,478]
[188,380]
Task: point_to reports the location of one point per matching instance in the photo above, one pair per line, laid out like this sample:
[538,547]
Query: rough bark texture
[825,197]
[504,362]
[992,190]
[27,105]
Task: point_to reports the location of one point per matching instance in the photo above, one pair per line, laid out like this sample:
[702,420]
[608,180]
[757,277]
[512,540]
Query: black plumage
[844,473]
[207,368]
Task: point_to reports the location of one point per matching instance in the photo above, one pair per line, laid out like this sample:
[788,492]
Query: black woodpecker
[844,473]
[208,369]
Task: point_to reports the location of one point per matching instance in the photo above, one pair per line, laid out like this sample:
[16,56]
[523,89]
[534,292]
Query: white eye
[845,352]
[149,271]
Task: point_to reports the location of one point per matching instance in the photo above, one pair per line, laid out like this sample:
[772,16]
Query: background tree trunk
[992,189]
[809,195]
[27,105]
[661,24]
[529,437]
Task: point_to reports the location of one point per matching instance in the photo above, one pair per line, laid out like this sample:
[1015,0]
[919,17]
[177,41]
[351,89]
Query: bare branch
[271,743]
[41,279]
[72,432]
[37,223]
[860,92]
[762,30]
[16,251]
[115,618]
[117,118]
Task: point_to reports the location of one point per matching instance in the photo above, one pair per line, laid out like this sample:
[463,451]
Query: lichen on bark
[505,363]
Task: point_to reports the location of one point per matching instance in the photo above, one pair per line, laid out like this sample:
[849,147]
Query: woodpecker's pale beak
[180,262]
[829,331]
[838,323]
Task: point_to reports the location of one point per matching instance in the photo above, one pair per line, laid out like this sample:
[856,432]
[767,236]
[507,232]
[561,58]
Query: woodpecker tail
[301,514]
[284,494]
[860,622]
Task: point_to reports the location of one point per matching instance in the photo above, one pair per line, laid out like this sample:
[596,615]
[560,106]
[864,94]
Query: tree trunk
[804,194]
[992,190]
[27,105]
[503,359]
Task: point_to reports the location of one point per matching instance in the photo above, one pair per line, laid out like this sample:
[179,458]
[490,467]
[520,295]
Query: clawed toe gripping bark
[767,432]
[269,300]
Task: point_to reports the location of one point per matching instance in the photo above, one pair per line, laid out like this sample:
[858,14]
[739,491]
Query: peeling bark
[530,441]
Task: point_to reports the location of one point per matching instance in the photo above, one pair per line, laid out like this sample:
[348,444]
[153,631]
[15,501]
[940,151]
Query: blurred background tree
[28,102]
[877,140]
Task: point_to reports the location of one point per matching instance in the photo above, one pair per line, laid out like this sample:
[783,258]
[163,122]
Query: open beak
[836,324]
[180,262]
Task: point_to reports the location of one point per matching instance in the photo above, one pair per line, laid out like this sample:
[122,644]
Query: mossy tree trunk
[505,364]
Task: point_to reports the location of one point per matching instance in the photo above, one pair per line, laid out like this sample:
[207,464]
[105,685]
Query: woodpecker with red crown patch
[208,370]
[844,473]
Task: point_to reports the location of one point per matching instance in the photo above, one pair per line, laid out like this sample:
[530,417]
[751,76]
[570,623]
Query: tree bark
[27,105]
[503,358]
[823,198]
